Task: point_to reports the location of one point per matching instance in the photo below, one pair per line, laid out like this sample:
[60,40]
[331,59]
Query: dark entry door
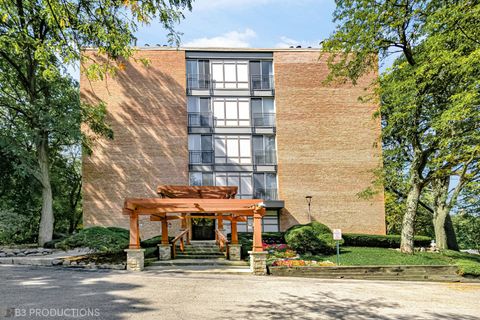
[203,229]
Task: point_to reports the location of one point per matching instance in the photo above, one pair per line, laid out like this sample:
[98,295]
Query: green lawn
[351,256]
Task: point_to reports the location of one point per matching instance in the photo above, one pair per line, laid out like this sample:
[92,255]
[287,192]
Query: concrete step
[198,256]
[197,262]
[188,269]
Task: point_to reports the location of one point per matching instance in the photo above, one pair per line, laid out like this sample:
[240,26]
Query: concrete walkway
[159,295]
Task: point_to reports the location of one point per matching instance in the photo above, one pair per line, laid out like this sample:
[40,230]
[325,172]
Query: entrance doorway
[203,229]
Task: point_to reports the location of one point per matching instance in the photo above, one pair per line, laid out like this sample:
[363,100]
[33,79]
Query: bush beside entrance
[313,237]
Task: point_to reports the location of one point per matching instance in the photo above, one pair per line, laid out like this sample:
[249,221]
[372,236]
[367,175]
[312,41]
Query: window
[270,223]
[261,73]
[198,74]
[264,150]
[201,179]
[200,148]
[199,114]
[231,112]
[265,186]
[242,180]
[230,74]
[233,150]
[263,112]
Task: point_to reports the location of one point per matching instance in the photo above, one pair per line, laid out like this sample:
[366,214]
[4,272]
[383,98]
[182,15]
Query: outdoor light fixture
[309,202]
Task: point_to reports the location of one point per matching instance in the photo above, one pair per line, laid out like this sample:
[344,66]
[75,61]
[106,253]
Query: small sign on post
[337,236]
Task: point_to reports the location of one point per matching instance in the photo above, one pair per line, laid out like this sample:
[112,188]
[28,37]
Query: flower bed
[280,255]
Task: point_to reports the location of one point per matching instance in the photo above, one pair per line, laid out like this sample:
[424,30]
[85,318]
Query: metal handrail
[264,119]
[199,81]
[201,157]
[265,193]
[261,82]
[200,119]
[180,237]
[264,157]
[221,239]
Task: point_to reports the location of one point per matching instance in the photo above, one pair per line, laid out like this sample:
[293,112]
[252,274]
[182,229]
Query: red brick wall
[147,111]
[325,141]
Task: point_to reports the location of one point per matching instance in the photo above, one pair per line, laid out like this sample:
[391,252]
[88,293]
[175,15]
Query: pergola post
[234,238]
[134,231]
[184,221]
[258,257]
[220,222]
[135,255]
[164,248]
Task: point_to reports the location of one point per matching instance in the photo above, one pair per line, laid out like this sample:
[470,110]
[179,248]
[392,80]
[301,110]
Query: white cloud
[286,42]
[232,39]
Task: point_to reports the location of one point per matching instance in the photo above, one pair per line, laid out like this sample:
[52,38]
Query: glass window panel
[219,109]
[245,148]
[217,71]
[203,66]
[241,227]
[232,148]
[192,67]
[230,73]
[234,181]
[271,180]
[194,142]
[232,112]
[266,68]
[192,104]
[258,180]
[246,183]
[195,178]
[204,104]
[255,68]
[220,147]
[220,180]
[270,228]
[258,143]
[256,105]
[242,72]
[207,143]
[268,106]
[243,109]
[207,179]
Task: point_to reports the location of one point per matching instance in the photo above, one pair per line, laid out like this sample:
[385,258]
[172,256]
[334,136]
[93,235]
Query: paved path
[153,295]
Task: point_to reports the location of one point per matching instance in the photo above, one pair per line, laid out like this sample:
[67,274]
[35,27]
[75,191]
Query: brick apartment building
[260,119]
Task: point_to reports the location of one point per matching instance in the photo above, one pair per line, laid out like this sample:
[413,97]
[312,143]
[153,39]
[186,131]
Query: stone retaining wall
[5,252]
[414,273]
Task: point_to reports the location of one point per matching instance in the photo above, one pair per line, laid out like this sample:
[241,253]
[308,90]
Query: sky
[249,23]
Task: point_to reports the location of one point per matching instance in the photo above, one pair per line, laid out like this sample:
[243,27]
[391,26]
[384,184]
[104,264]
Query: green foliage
[467,228]
[109,240]
[380,241]
[246,240]
[314,237]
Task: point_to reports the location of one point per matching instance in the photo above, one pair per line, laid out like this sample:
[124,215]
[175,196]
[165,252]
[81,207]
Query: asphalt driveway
[46,293]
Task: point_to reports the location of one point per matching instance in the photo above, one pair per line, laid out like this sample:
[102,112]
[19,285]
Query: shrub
[314,237]
[381,241]
[109,240]
[246,240]
[153,242]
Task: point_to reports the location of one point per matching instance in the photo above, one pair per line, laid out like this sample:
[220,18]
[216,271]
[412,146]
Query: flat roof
[218,49]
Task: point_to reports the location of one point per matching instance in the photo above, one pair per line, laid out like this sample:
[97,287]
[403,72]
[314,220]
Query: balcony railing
[265,193]
[201,157]
[199,81]
[265,157]
[200,119]
[261,82]
[264,119]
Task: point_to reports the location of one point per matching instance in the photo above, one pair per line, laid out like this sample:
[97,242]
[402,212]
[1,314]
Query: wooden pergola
[186,202]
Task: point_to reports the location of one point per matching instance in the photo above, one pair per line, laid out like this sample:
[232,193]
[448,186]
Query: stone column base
[258,263]
[234,252]
[164,251]
[135,259]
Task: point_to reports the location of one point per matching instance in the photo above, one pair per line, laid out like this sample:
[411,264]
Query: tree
[433,77]
[37,39]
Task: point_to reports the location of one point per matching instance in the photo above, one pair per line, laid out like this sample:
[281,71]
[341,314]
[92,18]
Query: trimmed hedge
[380,241]
[108,240]
[313,237]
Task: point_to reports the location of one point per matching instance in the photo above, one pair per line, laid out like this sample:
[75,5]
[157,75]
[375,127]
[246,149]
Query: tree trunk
[444,234]
[408,224]
[45,232]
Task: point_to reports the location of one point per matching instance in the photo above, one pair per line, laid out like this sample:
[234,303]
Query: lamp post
[309,202]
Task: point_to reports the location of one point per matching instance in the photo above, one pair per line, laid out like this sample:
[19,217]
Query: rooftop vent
[299,47]
[147,45]
[291,47]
